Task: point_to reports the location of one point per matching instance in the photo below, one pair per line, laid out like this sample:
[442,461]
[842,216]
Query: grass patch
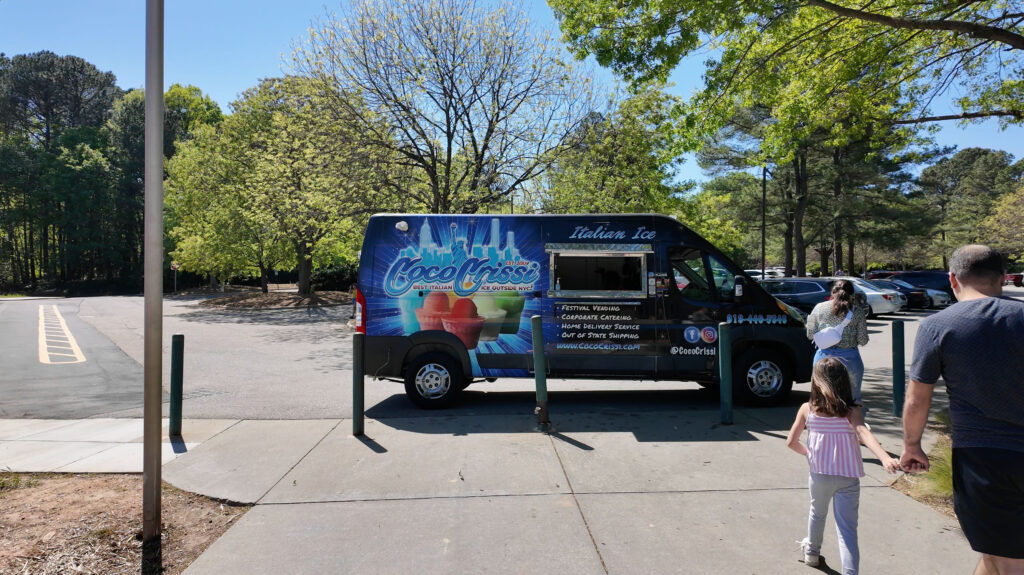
[938,482]
[934,488]
[9,481]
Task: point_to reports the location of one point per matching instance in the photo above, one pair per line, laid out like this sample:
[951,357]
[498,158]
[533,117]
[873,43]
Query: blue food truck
[446,300]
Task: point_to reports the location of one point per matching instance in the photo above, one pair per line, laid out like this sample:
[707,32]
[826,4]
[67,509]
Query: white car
[768,273]
[936,297]
[879,301]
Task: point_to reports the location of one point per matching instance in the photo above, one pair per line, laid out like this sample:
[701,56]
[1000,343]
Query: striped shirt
[833,447]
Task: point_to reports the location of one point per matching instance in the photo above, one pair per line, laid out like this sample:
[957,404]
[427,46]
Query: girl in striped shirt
[835,430]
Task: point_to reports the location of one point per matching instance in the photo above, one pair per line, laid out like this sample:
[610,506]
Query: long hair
[842,297]
[831,391]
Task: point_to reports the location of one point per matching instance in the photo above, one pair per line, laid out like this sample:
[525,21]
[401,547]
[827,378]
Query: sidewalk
[667,491]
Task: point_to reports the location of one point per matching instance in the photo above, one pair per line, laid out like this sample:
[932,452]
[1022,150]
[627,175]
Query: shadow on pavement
[275,316]
[651,416]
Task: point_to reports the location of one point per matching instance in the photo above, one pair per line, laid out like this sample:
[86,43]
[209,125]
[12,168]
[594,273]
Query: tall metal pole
[764,202]
[153,277]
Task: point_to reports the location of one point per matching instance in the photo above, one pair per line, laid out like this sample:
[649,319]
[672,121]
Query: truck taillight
[360,312]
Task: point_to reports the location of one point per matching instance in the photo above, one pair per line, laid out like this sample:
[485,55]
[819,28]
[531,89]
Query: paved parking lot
[282,364]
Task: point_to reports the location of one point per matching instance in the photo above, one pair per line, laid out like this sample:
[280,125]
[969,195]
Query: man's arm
[915,417]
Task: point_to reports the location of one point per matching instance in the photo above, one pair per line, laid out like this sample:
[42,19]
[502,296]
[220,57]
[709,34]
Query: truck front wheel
[434,380]
[761,377]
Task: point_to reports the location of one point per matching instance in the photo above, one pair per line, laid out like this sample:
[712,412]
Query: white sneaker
[811,559]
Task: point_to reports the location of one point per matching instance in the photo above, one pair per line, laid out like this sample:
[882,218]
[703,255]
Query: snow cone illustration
[464,322]
[494,317]
[435,305]
[512,303]
[409,303]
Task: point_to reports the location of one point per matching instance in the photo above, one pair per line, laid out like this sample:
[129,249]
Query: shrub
[339,277]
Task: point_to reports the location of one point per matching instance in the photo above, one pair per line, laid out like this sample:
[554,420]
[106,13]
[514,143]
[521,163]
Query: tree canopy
[466,99]
[842,66]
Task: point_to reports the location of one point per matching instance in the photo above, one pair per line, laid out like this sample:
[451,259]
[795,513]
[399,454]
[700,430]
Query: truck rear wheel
[434,380]
[761,377]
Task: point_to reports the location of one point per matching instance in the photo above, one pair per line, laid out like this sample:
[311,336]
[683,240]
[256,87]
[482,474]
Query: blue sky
[225,47]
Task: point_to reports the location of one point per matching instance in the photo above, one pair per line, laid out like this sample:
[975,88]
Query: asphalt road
[295,364]
[79,372]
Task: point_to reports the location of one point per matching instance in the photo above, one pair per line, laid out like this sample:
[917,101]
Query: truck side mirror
[740,283]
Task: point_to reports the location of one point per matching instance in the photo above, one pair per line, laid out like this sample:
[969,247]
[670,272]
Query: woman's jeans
[850,356]
[844,493]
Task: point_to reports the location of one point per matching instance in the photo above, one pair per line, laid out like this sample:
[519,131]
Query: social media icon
[709,334]
[692,334]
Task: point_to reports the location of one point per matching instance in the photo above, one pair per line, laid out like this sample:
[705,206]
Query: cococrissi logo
[458,266]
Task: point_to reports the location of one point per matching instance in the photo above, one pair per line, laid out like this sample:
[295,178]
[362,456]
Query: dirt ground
[92,524]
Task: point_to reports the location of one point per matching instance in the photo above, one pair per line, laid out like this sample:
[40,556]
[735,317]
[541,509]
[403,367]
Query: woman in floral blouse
[832,313]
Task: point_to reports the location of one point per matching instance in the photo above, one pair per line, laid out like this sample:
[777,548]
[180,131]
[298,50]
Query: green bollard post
[540,375]
[725,371]
[899,383]
[177,364]
[358,383]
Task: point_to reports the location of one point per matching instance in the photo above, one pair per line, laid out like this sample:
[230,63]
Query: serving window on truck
[596,270]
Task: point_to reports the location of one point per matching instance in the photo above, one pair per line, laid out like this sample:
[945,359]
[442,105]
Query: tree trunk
[32,277]
[798,213]
[837,196]
[824,251]
[305,261]
[264,279]
[849,256]
[945,264]
[787,239]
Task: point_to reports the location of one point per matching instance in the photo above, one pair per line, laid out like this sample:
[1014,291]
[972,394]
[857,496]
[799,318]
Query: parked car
[878,300]
[1016,279]
[917,297]
[769,273]
[930,279]
[936,298]
[801,293]
[878,274]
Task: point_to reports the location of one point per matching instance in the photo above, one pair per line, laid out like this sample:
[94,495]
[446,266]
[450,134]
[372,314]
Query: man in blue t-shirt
[977,347]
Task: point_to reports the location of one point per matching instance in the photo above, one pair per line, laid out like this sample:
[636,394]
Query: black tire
[871,312]
[434,380]
[929,302]
[761,377]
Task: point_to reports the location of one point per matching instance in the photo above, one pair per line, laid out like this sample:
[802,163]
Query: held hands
[914,459]
[891,464]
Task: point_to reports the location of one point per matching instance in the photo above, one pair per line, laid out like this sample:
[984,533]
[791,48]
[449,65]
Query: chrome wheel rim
[764,378]
[433,381]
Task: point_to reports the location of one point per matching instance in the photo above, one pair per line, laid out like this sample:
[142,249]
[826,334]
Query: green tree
[962,190]
[622,162]
[186,110]
[50,106]
[215,226]
[841,66]
[1003,229]
[282,170]
[465,102]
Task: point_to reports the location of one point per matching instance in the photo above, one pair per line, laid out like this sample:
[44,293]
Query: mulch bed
[259,300]
[89,523]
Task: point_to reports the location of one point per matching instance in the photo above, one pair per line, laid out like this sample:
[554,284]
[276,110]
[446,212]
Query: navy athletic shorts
[988,497]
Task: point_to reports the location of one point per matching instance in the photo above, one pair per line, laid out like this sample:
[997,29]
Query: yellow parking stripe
[55,335]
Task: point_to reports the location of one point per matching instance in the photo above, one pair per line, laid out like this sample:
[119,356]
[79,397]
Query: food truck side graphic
[446,300]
